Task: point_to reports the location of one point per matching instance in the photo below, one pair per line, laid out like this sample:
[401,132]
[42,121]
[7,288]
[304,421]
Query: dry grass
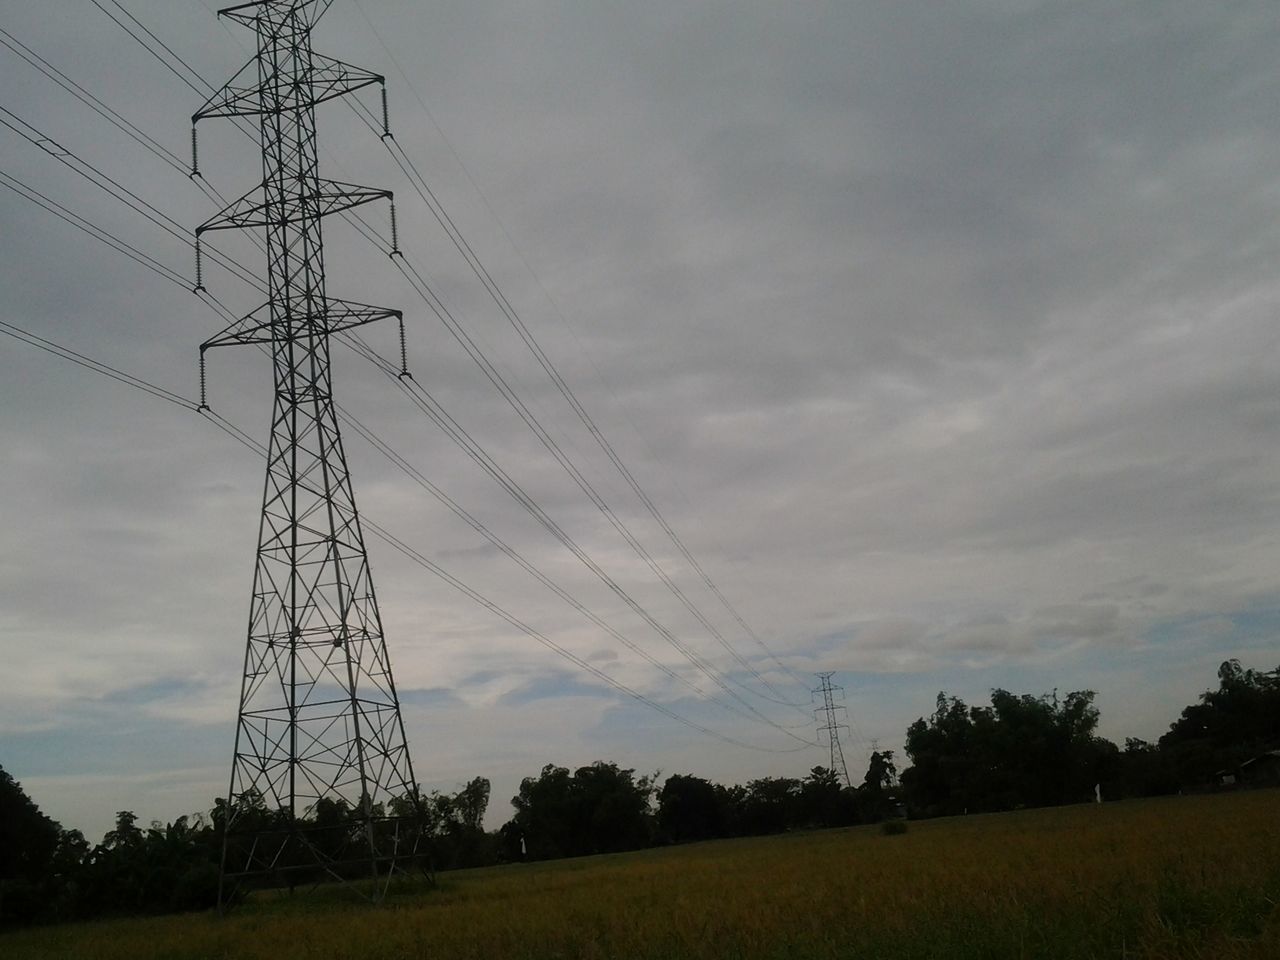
[1194,877]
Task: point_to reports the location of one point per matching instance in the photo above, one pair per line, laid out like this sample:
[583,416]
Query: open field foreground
[1181,877]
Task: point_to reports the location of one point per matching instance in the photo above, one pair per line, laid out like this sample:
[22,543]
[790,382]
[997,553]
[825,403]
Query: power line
[572,657]
[89,99]
[118,191]
[96,366]
[432,409]
[499,382]
[693,657]
[172,276]
[98,233]
[424,191]
[146,46]
[76,163]
[469,445]
[140,136]
[75,220]
[416,475]
[247,441]
[545,361]
[195,82]
[108,113]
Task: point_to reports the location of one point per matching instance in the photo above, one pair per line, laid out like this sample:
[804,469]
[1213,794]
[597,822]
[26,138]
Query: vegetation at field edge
[1021,751]
[1165,879]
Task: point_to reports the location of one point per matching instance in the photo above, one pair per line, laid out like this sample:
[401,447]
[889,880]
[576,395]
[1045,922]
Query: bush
[891,828]
[21,902]
[196,889]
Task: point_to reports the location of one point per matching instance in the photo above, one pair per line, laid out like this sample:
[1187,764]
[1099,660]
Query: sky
[942,335]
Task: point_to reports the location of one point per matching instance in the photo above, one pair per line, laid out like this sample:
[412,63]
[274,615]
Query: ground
[1181,877]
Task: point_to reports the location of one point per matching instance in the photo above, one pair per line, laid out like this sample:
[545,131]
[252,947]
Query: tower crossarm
[324,78]
[332,78]
[337,316]
[264,13]
[327,197]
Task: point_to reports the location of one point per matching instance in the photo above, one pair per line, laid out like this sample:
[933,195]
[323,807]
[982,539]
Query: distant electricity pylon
[322,786]
[827,712]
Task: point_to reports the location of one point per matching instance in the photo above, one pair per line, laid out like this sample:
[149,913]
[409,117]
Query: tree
[1144,770]
[770,805]
[28,847]
[456,826]
[689,809]
[612,807]
[471,803]
[1021,751]
[126,833]
[942,759]
[28,838]
[333,829]
[820,800]
[876,797]
[881,771]
[600,808]
[544,814]
[1227,726]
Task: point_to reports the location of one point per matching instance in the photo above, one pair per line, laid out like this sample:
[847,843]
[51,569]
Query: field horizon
[1176,877]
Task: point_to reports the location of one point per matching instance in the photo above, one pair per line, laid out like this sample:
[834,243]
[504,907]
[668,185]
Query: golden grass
[1194,877]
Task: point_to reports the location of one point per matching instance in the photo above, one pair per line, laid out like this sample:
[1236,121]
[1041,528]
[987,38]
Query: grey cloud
[940,335]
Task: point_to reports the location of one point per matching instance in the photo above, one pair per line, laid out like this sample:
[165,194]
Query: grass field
[1195,877]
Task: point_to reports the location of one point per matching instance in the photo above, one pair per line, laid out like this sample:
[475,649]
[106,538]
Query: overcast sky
[943,334]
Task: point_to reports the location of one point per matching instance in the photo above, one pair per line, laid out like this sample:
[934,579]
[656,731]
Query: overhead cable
[96,366]
[372,236]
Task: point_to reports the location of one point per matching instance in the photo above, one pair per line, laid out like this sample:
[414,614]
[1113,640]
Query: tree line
[1020,751]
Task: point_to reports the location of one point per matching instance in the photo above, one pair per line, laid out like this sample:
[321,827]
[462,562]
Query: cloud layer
[943,336]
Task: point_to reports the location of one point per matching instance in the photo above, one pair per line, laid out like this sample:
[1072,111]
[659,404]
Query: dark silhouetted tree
[600,808]
[877,796]
[689,809]
[769,805]
[1227,727]
[820,803]
[1020,751]
[29,843]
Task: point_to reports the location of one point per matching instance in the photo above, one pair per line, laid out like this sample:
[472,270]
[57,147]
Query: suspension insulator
[404,354]
[204,400]
[199,287]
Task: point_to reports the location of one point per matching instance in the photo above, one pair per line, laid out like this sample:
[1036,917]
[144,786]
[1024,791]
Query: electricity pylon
[322,786]
[832,729]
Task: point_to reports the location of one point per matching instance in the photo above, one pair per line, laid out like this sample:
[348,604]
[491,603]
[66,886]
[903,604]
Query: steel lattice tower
[321,780]
[832,729]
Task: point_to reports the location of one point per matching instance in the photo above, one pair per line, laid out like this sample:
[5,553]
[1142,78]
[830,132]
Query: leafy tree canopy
[28,838]
[601,808]
[1020,751]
